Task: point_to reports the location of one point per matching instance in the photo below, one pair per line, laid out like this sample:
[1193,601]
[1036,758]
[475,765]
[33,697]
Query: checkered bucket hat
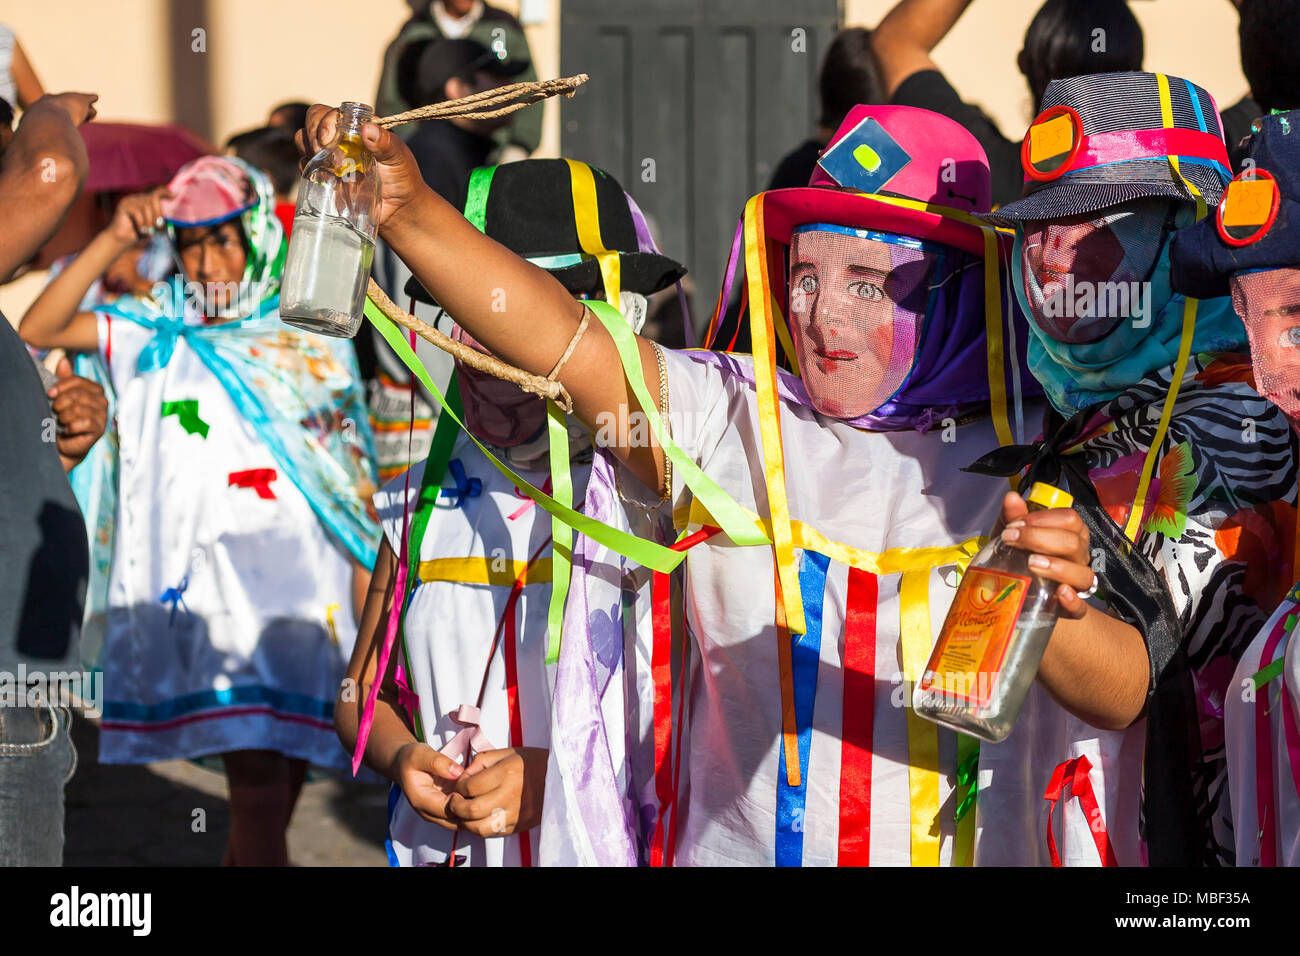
[1109,138]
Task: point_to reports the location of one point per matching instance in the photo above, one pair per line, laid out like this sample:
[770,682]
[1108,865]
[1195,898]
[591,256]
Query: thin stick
[533,384]
[475,106]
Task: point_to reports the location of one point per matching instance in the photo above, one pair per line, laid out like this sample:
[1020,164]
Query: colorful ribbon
[470,739]
[175,596]
[257,478]
[805,659]
[858,725]
[1074,774]
[464,487]
[187,414]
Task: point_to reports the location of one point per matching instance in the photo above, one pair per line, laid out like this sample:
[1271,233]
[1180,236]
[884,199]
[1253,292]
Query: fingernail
[1016,524]
[158,222]
[1038,561]
[1011,534]
[455,770]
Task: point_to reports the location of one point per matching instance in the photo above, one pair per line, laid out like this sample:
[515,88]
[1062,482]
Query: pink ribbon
[470,739]
[1124,145]
[528,502]
[406,697]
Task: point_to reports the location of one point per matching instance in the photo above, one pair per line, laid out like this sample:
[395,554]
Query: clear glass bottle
[333,240]
[993,638]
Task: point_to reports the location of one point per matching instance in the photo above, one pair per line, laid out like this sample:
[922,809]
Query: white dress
[1273,759]
[873,491]
[252,655]
[449,633]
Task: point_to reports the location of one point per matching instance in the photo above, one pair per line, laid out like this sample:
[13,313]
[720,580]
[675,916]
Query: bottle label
[975,636]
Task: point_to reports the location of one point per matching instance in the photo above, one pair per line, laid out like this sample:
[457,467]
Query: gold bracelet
[663,417]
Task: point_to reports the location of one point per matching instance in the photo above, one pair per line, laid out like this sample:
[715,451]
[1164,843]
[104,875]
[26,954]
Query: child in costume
[473,679]
[242,529]
[1248,248]
[868,506]
[1178,495]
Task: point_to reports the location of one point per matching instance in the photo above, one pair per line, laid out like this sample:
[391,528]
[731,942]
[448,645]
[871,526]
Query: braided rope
[528,382]
[485,105]
[490,103]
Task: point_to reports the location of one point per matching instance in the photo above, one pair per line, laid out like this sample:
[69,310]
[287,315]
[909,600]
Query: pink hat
[891,151]
[208,190]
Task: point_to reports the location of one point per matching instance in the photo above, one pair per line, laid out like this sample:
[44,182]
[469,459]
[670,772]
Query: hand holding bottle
[1059,544]
[399,174]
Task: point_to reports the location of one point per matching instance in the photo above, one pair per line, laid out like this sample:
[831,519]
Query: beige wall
[1194,39]
[259,52]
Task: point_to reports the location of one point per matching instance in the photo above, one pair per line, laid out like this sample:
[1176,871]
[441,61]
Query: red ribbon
[859,714]
[259,478]
[667,772]
[1074,774]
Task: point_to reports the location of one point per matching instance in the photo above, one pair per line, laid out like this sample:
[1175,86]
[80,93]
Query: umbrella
[129,157]
[124,158]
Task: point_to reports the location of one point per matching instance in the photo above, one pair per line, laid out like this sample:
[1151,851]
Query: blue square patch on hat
[866,158]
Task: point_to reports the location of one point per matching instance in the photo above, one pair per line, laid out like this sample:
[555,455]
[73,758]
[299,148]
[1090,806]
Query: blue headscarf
[1075,376]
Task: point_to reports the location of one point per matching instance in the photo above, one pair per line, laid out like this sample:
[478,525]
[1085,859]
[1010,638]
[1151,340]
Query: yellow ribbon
[588,222]
[891,561]
[761,331]
[922,735]
[484,570]
[1134,522]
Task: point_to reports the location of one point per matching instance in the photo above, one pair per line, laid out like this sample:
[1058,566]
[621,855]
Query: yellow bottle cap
[1049,496]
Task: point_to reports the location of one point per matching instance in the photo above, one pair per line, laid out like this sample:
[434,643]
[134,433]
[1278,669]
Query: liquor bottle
[993,638]
[333,237]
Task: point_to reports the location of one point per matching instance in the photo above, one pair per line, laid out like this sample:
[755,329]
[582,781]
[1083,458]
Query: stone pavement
[150,815]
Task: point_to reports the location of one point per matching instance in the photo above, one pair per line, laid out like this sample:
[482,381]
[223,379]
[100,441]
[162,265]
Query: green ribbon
[187,413]
[646,553]
[968,776]
[730,516]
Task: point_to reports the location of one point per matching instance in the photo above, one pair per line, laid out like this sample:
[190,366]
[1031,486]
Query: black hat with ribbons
[1257,223]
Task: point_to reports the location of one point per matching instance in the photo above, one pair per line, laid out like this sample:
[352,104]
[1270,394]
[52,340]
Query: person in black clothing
[1269,35]
[1062,41]
[848,77]
[438,70]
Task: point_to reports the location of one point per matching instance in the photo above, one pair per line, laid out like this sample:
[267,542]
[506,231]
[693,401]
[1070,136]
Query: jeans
[37,758]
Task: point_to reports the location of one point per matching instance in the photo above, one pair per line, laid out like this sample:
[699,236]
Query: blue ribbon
[168,329]
[805,650]
[465,486]
[174,597]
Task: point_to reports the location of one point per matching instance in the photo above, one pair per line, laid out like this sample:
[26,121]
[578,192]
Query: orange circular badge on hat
[1248,208]
[1052,142]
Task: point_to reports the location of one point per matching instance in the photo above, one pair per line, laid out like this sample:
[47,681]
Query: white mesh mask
[1081,274]
[857,305]
[1269,305]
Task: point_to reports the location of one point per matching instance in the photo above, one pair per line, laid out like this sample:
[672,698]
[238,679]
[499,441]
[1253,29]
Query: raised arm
[41,174]
[26,83]
[518,311]
[908,34]
[53,320]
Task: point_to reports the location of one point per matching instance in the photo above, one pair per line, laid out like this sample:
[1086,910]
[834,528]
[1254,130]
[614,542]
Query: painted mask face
[857,305]
[497,412]
[1268,302]
[1084,275]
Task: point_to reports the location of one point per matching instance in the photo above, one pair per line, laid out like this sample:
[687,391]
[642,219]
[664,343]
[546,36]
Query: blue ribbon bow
[174,597]
[465,487]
